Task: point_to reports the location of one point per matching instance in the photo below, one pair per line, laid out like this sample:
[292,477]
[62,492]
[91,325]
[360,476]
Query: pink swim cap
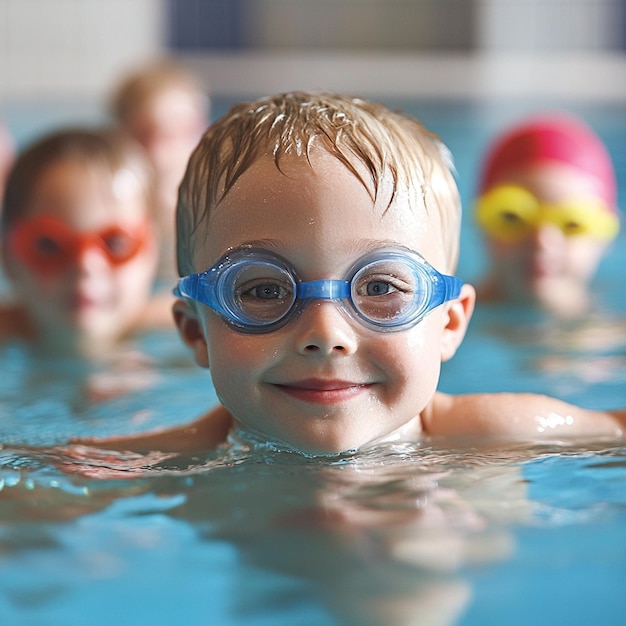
[560,138]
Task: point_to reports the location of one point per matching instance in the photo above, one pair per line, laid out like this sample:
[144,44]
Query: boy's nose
[322,329]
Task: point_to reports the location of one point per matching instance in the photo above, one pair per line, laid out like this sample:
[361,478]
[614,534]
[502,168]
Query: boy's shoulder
[206,432]
[514,415]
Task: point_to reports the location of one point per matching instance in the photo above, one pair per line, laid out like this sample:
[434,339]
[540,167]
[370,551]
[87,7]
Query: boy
[547,208]
[322,317]
[78,244]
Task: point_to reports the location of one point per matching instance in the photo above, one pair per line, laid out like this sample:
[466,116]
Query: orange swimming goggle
[49,246]
[511,212]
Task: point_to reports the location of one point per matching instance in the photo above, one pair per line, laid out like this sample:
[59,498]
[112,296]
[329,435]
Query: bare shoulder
[212,428]
[205,433]
[517,415]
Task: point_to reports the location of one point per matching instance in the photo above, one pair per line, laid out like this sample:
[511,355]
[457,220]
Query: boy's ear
[459,315]
[190,331]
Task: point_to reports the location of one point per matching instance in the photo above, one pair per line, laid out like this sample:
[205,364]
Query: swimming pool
[462,533]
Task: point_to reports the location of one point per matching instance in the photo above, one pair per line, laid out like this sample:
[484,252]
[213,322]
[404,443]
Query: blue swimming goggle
[257,291]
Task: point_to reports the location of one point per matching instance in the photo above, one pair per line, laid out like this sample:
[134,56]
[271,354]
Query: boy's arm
[201,435]
[518,415]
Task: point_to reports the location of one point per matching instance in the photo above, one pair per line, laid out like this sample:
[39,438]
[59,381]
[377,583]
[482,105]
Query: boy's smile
[323,383]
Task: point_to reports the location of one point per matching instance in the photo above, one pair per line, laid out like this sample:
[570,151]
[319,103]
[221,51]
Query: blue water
[461,533]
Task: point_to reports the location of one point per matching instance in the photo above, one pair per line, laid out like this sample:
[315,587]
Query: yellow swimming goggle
[511,212]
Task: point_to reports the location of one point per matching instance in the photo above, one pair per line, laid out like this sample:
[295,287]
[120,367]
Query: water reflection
[381,538]
[399,534]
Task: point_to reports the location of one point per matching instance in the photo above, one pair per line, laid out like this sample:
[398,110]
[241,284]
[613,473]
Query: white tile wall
[66,49]
[73,48]
[582,77]
[550,25]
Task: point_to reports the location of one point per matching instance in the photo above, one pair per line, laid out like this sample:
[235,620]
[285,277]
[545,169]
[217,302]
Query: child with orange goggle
[78,244]
[547,208]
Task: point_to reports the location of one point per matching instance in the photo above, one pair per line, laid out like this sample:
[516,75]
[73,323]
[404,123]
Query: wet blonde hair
[385,143]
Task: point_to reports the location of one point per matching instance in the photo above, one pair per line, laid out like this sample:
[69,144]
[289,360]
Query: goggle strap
[191,287]
[187,287]
[200,287]
[445,288]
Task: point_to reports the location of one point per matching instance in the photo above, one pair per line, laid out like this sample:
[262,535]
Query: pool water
[436,532]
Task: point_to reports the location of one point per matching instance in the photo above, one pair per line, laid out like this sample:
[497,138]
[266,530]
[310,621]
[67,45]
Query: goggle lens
[386,291]
[258,293]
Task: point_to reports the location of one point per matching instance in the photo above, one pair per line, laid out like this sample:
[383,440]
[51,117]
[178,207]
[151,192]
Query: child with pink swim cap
[547,208]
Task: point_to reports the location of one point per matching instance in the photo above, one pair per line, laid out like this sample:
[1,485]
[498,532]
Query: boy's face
[85,296]
[547,264]
[323,383]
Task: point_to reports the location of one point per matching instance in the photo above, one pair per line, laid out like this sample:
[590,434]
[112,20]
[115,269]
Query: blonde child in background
[317,239]
[78,244]
[547,206]
[7,155]
[163,106]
